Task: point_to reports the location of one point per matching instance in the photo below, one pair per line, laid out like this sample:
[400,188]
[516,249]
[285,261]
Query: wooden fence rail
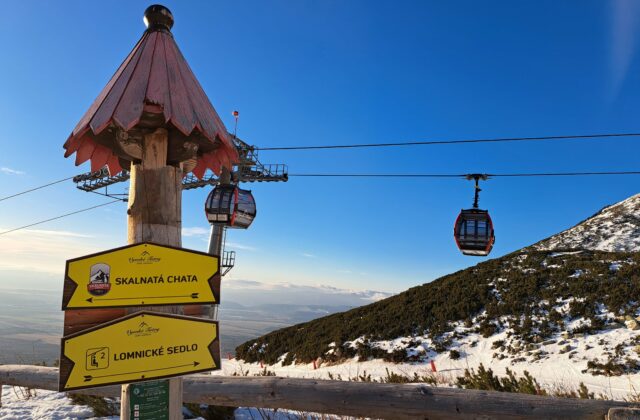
[360,399]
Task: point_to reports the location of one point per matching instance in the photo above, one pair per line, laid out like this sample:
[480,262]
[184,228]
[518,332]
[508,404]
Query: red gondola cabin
[473,232]
[230,206]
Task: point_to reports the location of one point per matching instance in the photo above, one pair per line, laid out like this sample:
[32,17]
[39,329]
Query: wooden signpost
[138,347]
[141,275]
[153,118]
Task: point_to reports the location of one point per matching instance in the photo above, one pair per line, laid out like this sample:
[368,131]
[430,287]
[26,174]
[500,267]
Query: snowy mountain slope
[564,308]
[534,296]
[614,228]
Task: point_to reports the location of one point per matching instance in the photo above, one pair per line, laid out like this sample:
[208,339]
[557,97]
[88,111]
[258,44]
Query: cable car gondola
[230,206]
[473,230]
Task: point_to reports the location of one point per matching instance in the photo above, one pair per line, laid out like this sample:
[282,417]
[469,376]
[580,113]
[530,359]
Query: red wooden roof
[153,81]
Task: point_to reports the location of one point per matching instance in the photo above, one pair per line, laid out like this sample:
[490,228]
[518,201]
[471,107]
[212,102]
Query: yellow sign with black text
[139,347]
[141,275]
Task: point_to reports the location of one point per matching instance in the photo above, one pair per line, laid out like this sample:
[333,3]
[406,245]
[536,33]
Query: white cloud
[204,233]
[256,292]
[372,295]
[35,251]
[195,231]
[57,233]
[240,284]
[236,245]
[305,254]
[10,171]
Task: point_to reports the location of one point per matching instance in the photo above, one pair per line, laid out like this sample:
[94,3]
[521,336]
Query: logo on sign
[143,330]
[144,258]
[99,279]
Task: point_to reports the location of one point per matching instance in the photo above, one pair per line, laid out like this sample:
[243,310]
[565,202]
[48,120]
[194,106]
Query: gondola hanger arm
[477,178]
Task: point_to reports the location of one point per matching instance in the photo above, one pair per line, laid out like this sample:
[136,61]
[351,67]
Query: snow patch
[41,405]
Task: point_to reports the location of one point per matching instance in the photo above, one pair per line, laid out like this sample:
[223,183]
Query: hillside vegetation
[534,295]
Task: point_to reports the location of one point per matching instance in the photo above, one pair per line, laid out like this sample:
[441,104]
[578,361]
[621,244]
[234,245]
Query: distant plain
[31,323]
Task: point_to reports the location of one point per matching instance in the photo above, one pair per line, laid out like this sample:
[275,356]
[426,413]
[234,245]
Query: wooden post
[155,215]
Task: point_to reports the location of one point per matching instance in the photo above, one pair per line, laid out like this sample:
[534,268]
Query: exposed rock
[632,323]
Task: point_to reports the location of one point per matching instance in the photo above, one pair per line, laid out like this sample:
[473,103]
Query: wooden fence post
[155,215]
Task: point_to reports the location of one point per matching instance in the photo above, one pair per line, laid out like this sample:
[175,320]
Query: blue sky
[336,72]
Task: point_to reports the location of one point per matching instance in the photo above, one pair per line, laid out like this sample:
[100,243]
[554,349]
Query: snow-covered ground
[563,369]
[17,404]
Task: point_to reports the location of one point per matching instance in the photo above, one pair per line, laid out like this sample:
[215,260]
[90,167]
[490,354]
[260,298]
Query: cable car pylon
[229,206]
[473,229]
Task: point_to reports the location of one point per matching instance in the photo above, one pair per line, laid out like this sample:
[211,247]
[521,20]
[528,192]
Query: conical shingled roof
[154,87]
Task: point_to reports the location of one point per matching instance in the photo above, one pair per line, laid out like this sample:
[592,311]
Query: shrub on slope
[536,293]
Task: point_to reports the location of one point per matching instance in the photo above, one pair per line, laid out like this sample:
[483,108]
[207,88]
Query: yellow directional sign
[138,347]
[141,275]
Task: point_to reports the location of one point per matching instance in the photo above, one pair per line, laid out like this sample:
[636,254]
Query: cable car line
[60,217]
[505,175]
[462,141]
[369,175]
[244,205]
[568,174]
[414,143]
[381,175]
[36,188]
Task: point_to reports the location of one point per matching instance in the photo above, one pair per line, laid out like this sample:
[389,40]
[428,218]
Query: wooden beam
[389,401]
[358,399]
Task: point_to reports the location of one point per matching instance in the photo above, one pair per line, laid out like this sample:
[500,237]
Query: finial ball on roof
[158,17]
